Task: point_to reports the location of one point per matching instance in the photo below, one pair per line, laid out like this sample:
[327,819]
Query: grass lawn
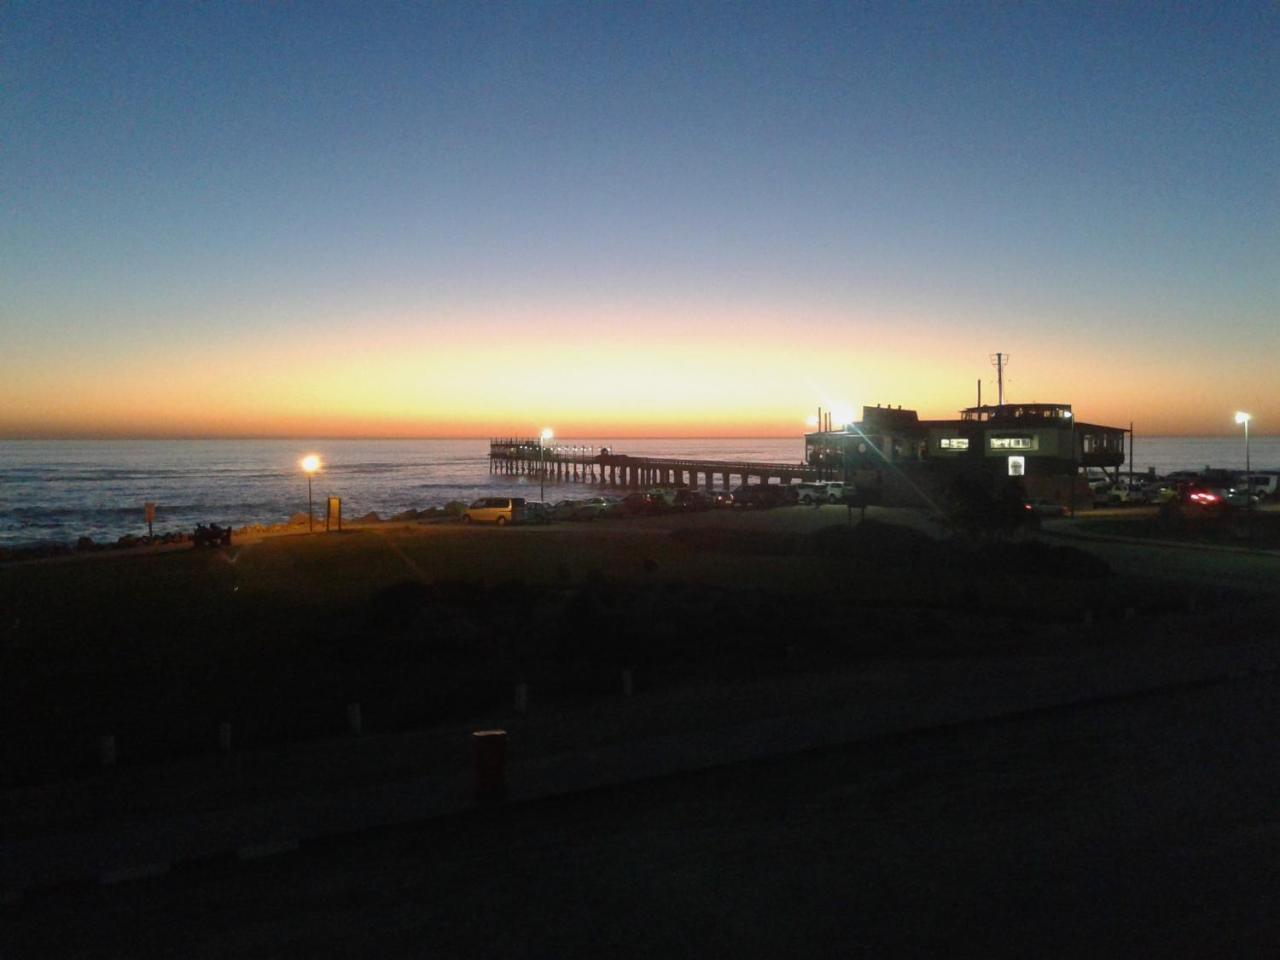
[279,635]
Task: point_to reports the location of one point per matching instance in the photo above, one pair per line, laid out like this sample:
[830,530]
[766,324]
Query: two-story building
[1041,445]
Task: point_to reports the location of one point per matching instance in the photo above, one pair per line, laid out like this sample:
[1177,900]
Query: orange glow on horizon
[725,373]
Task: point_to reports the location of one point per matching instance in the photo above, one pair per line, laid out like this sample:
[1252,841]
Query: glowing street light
[547,434]
[1244,418]
[310,464]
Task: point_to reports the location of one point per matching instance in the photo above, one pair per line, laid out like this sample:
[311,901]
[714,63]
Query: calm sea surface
[56,491]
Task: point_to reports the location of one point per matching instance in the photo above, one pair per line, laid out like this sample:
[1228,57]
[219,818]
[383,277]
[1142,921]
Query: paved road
[1130,828]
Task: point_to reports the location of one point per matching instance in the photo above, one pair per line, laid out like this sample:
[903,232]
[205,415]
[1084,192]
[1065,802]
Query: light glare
[310,463]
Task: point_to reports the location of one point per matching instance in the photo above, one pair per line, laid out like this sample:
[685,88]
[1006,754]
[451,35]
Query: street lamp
[310,464]
[547,434]
[1242,417]
[1075,462]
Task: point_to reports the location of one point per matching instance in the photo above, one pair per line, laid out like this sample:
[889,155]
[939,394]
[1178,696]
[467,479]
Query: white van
[499,510]
[1263,485]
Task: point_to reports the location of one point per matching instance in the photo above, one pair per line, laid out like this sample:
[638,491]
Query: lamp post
[547,434]
[1244,418]
[1075,462]
[310,464]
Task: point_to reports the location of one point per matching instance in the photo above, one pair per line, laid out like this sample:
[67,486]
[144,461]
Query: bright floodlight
[843,416]
[310,463]
[547,434]
[1242,417]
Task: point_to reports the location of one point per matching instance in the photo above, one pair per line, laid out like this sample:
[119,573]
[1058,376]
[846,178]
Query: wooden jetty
[569,463]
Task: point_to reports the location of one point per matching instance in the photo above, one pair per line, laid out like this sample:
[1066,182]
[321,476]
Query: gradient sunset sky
[312,219]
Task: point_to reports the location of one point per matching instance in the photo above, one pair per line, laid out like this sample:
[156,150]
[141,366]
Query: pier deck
[568,463]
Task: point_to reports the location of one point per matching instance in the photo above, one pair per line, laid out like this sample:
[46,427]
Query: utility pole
[1000,361]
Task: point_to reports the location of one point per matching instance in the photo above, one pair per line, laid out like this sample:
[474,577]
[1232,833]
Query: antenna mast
[1000,361]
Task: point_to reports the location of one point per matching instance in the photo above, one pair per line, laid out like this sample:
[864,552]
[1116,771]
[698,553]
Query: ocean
[54,491]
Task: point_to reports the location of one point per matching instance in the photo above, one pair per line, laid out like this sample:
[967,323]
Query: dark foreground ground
[1123,827]
[1144,826]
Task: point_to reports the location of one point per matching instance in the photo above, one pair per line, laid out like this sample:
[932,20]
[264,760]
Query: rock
[406,515]
[370,517]
[85,543]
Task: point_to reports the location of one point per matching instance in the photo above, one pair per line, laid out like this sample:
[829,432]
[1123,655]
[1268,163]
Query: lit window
[1011,443]
[955,443]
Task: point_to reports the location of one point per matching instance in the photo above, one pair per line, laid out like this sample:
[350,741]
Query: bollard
[491,764]
[224,737]
[522,697]
[628,686]
[107,750]
[355,721]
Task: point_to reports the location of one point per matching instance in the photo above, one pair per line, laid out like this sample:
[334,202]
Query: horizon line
[78,437]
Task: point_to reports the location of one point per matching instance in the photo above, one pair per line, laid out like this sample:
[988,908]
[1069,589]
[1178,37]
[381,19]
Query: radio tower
[1000,361]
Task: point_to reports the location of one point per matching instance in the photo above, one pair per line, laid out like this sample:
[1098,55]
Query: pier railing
[573,463]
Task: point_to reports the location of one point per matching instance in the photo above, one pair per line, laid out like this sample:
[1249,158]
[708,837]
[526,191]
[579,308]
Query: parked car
[666,496]
[836,491]
[812,493]
[1264,485]
[535,511]
[640,504]
[1126,492]
[1235,496]
[1044,507]
[596,507]
[688,500]
[563,509]
[1098,484]
[499,510]
[720,498]
[763,496]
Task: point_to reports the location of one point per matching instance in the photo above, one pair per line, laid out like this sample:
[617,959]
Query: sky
[659,219]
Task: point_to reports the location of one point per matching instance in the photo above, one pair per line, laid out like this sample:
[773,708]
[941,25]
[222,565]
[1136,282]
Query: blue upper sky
[169,171]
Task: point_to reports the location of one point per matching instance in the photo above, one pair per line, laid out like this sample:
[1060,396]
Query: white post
[224,736]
